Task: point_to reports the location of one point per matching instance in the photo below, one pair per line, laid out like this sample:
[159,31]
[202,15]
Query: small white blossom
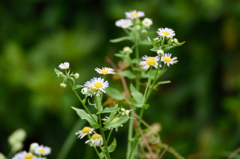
[149,61]
[134,14]
[166,32]
[84,91]
[97,84]
[64,65]
[105,70]
[124,23]
[147,22]
[95,140]
[42,150]
[166,58]
[86,130]
[24,155]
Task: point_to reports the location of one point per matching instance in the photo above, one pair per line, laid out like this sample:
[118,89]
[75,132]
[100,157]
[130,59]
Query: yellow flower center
[151,61]
[167,59]
[86,129]
[126,24]
[115,119]
[98,84]
[94,89]
[96,136]
[104,71]
[133,15]
[166,33]
[41,151]
[28,156]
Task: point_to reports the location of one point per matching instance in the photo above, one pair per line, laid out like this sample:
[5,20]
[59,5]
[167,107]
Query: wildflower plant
[139,77]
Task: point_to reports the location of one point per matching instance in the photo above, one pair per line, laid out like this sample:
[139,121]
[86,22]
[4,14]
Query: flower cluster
[131,20]
[36,151]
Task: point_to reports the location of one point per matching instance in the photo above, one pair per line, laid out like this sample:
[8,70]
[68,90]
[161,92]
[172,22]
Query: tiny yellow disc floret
[96,136]
[86,129]
[115,119]
[41,151]
[98,85]
[28,156]
[166,33]
[151,61]
[167,59]
[134,15]
[104,71]
[93,89]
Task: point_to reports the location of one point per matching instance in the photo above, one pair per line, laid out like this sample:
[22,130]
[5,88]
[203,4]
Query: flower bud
[156,39]
[143,31]
[17,147]
[59,74]
[127,49]
[160,52]
[76,75]
[175,40]
[17,136]
[138,27]
[63,85]
[33,146]
[84,91]
[2,156]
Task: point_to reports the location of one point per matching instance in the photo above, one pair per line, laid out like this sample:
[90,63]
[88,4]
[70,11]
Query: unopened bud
[63,85]
[160,52]
[156,39]
[76,75]
[138,27]
[59,74]
[17,147]
[175,40]
[2,156]
[84,91]
[33,146]
[127,49]
[144,31]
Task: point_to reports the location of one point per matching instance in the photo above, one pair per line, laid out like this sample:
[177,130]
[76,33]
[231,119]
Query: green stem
[130,133]
[149,83]
[83,104]
[137,132]
[109,135]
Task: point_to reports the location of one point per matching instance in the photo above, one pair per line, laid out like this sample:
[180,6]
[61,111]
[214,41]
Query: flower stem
[94,147]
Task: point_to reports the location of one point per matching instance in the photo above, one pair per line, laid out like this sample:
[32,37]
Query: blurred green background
[199,111]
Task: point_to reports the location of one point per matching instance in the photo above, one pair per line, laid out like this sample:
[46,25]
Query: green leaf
[78,86]
[113,145]
[180,44]
[161,82]
[120,39]
[145,42]
[109,110]
[128,74]
[115,124]
[156,48]
[133,101]
[57,71]
[114,93]
[83,115]
[136,95]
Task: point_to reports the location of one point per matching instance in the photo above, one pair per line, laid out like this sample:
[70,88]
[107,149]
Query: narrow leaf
[120,39]
[161,82]
[114,93]
[113,145]
[128,74]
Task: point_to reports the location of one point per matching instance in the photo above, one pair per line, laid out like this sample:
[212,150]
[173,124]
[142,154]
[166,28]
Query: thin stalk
[109,135]
[130,134]
[137,132]
[149,83]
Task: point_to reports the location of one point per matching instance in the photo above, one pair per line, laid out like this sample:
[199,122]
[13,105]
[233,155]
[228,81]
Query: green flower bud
[59,74]
[143,31]
[138,27]
[156,39]
[76,75]
[17,147]
[175,40]
[2,156]
[160,52]
[33,146]
[63,85]
[17,136]
[127,49]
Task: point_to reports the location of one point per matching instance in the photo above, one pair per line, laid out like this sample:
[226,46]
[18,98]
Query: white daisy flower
[97,84]
[95,140]
[149,61]
[166,32]
[64,65]
[86,130]
[42,150]
[84,91]
[134,14]
[147,22]
[124,23]
[166,58]
[105,70]
[24,155]
[115,119]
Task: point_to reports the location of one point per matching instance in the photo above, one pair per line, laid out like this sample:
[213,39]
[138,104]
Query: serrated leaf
[83,115]
[115,124]
[120,39]
[161,82]
[128,74]
[114,93]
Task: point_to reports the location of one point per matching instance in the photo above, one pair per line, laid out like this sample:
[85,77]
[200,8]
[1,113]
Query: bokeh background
[199,111]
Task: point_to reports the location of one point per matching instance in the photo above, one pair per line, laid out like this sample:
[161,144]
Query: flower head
[95,140]
[64,65]
[97,84]
[86,130]
[147,22]
[124,23]
[115,119]
[105,70]
[166,58]
[149,61]
[42,150]
[24,155]
[84,90]
[166,32]
[134,14]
